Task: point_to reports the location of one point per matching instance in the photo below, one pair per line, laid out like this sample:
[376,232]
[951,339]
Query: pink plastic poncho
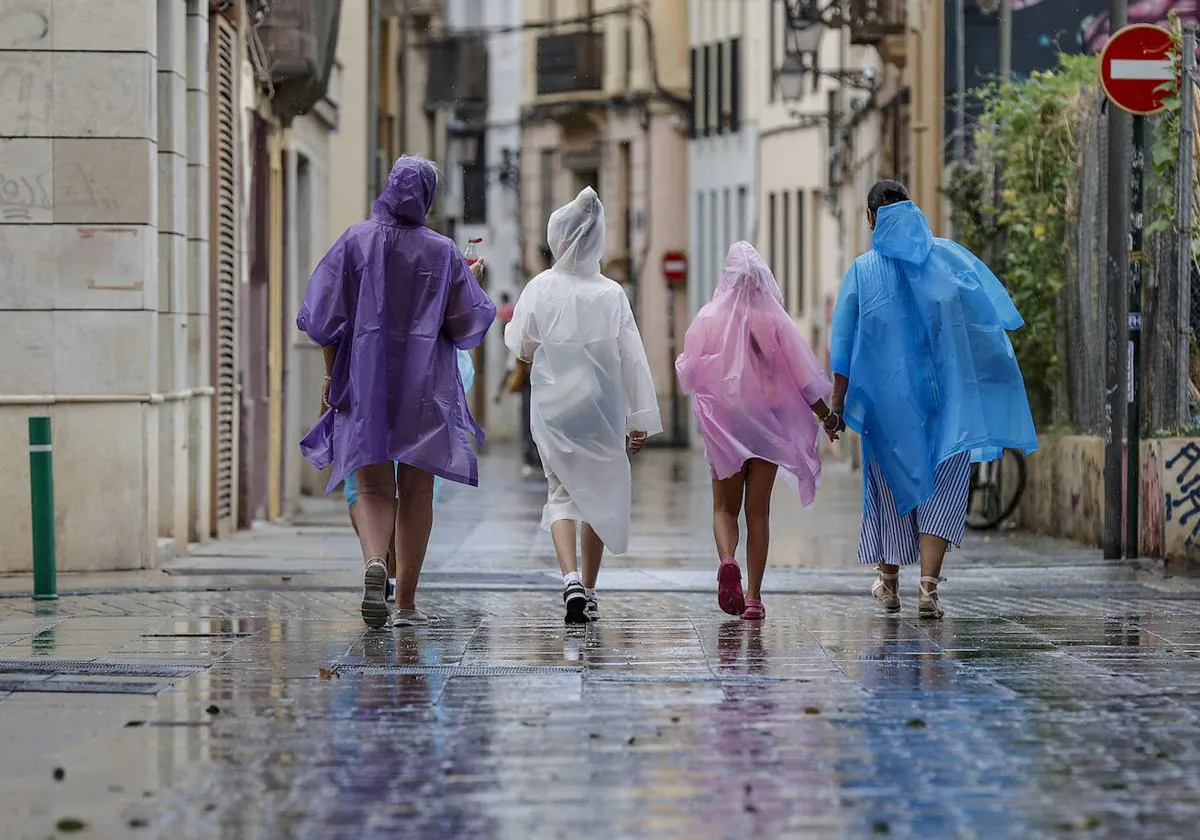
[396,299]
[753,377]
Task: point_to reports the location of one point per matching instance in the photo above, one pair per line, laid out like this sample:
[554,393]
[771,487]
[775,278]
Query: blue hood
[902,233]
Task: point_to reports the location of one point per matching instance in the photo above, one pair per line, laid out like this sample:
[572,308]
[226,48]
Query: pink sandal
[729,587]
[755,611]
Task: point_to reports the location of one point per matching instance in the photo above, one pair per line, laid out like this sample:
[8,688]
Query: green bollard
[41,498]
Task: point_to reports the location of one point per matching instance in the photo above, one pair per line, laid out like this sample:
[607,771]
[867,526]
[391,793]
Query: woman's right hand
[325,406]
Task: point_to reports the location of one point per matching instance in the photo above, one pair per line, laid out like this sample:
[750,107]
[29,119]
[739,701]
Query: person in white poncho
[593,396]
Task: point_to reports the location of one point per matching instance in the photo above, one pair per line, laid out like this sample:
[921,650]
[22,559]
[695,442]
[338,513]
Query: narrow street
[240,696]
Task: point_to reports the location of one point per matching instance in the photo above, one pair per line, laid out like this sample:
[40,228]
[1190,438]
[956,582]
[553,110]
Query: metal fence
[1170,360]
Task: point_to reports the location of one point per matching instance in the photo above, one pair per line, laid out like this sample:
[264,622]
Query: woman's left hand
[477,269]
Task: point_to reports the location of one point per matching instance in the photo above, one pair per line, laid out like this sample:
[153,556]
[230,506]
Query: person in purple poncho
[390,303]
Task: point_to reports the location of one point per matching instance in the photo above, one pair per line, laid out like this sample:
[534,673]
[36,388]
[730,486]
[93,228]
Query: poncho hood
[746,270]
[902,233]
[408,195]
[576,234]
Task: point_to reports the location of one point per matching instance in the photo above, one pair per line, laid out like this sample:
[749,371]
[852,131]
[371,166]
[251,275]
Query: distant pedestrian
[592,396]
[756,385]
[925,372]
[390,302]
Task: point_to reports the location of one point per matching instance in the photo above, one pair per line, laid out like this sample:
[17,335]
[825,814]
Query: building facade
[146,185]
[606,105]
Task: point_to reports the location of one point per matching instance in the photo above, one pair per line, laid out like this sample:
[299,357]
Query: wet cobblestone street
[239,696]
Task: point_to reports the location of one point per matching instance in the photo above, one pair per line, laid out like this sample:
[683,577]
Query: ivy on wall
[1029,132]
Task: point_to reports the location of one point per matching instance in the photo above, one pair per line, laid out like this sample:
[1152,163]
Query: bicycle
[995,491]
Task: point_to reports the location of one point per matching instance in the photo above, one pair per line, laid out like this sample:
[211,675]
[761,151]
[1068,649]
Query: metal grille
[50,686]
[111,669]
[224,261]
[721,679]
[458,670]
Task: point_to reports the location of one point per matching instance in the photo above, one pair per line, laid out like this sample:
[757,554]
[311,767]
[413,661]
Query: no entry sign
[675,267]
[1135,67]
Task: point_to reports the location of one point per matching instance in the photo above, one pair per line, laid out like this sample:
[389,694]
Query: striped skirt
[887,537]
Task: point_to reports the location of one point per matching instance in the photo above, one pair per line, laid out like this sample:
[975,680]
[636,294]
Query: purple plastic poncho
[753,377]
[396,299]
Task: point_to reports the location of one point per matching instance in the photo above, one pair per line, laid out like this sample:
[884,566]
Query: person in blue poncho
[924,371]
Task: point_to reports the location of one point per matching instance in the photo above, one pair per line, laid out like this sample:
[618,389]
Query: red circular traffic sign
[675,266]
[1136,68]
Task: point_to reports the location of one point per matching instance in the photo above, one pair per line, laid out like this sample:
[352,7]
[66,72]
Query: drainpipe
[278,142]
[373,104]
[405,81]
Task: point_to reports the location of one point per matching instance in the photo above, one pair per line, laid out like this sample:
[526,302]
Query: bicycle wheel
[996,489]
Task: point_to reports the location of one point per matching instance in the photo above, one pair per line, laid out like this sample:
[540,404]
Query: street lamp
[790,77]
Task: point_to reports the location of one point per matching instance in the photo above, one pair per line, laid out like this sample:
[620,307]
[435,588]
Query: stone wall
[1064,495]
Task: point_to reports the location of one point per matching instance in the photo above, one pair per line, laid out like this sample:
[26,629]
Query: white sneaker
[409,618]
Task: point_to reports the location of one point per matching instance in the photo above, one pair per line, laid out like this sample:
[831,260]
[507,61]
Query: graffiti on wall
[1182,497]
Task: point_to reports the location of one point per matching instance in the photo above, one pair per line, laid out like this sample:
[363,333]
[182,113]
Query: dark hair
[547,254]
[505,297]
[885,192]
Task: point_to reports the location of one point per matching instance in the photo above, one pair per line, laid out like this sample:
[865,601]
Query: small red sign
[1136,67]
[675,267]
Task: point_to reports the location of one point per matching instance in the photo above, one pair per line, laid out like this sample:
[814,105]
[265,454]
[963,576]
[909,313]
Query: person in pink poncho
[755,387]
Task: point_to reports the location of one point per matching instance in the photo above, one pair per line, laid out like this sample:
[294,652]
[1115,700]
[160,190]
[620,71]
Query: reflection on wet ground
[257,713]
[664,720]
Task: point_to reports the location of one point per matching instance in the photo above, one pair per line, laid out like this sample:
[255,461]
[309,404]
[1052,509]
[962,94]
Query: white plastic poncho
[590,380]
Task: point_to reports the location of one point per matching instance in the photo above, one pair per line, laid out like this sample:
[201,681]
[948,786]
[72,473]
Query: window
[697,91]
[705,90]
[772,242]
[712,109]
[727,228]
[546,199]
[784,275]
[815,249]
[743,222]
[474,187]
[800,237]
[714,242]
[719,49]
[735,85]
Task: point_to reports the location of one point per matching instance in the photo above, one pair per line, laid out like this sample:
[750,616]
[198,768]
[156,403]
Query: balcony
[570,63]
[300,39]
[458,72]
[872,21]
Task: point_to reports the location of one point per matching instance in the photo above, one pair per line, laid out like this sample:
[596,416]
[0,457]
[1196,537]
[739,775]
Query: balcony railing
[570,63]
[870,21]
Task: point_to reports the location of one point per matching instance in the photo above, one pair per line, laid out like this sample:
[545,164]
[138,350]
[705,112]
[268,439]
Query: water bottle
[472,252]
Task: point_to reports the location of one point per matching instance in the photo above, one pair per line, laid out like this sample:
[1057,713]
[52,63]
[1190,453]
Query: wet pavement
[238,695]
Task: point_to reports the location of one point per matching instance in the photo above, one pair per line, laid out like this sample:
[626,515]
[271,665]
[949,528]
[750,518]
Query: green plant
[1030,134]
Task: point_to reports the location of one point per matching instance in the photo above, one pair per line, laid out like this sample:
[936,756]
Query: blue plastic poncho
[920,331]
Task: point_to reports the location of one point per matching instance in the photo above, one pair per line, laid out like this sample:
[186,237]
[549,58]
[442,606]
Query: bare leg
[891,585]
[563,534]
[727,506]
[593,553]
[933,552]
[414,521]
[760,482]
[374,514]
